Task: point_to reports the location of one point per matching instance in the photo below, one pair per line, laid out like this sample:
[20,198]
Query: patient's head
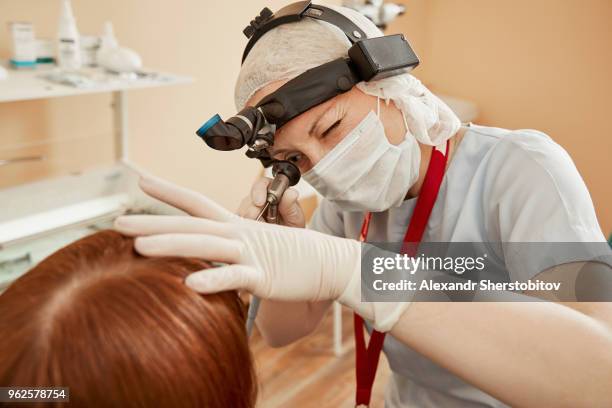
[122,330]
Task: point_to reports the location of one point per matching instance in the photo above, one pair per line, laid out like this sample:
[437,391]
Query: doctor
[373,152]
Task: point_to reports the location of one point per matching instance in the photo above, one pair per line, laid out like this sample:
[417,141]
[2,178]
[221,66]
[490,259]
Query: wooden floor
[308,374]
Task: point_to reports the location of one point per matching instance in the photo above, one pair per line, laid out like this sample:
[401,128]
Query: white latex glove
[271,261]
[290,211]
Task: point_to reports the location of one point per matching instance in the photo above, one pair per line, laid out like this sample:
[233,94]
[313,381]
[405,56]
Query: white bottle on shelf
[115,58]
[68,44]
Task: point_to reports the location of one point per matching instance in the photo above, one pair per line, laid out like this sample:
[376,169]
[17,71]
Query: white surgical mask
[364,172]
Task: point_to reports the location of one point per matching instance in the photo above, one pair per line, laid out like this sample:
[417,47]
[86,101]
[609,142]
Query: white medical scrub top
[501,186]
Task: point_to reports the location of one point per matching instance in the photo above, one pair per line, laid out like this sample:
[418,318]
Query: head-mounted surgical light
[368,59]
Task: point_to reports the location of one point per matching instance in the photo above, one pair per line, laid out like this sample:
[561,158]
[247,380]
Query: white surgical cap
[291,49]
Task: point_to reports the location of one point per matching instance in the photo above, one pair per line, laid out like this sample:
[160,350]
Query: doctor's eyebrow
[273,152]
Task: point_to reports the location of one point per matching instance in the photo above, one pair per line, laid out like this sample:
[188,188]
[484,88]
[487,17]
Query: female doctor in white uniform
[368,150]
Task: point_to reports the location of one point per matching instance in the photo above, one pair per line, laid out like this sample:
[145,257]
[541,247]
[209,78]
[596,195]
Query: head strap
[266,20]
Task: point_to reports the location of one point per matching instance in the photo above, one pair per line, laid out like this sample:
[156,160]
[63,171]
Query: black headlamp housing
[368,59]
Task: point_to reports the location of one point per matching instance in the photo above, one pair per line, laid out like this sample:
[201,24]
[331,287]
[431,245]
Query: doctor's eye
[299,159]
[294,157]
[332,127]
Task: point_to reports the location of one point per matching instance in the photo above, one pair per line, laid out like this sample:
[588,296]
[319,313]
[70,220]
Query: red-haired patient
[119,329]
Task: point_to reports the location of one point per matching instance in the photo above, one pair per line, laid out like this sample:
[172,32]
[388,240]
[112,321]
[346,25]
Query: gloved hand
[271,261]
[290,211]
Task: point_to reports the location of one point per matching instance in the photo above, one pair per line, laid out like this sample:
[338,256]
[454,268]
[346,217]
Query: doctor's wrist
[381,315]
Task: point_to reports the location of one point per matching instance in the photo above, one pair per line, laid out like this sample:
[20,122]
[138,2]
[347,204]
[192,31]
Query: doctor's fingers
[206,247]
[191,202]
[290,209]
[247,209]
[259,191]
[229,277]
[135,225]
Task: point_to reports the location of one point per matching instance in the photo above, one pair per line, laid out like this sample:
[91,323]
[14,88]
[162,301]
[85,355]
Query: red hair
[119,329]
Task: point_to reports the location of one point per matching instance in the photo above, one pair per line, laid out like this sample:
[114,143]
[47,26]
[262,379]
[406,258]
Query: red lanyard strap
[366,358]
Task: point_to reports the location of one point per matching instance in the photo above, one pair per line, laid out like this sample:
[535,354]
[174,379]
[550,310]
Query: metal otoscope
[286,174]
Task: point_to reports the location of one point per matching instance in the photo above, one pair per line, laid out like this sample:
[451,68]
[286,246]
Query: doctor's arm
[523,353]
[282,323]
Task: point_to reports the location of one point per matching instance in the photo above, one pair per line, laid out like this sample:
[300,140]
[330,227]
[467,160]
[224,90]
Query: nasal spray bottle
[68,44]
